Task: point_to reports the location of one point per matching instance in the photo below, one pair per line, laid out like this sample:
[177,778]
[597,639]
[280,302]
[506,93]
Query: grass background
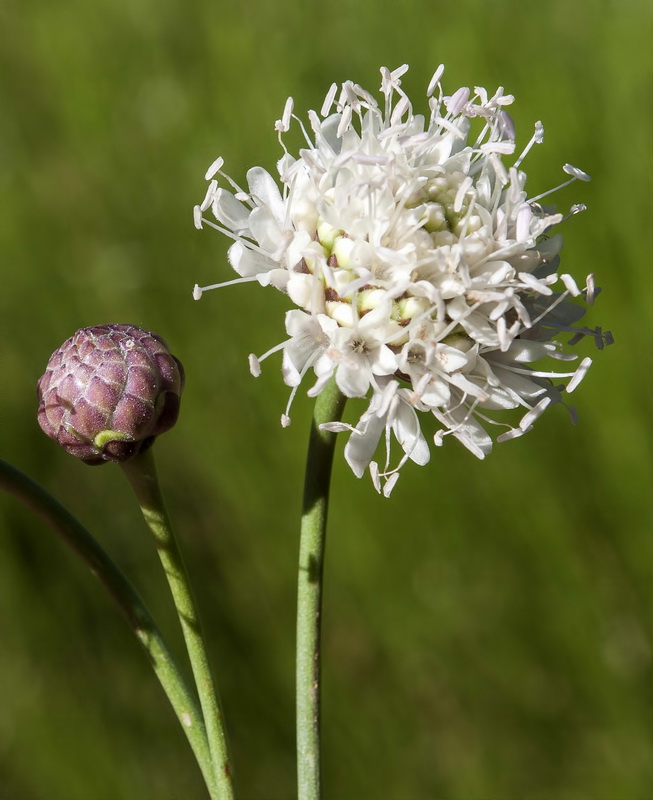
[488,629]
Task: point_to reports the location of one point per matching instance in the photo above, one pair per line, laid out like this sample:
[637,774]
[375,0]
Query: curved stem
[329,406]
[141,473]
[128,600]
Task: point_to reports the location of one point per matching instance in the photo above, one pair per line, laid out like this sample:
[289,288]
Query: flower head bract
[425,278]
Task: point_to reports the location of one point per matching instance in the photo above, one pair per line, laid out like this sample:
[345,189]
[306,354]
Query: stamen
[506,126]
[254,365]
[502,335]
[366,98]
[529,418]
[245,242]
[460,194]
[513,433]
[198,290]
[550,308]
[533,283]
[523,223]
[457,101]
[536,138]
[403,105]
[308,139]
[208,198]
[581,372]
[340,427]
[570,284]
[215,167]
[504,148]
[390,483]
[576,175]
[577,208]
[538,373]
[283,124]
[345,121]
[293,391]
[374,474]
[435,80]
[328,100]
[444,123]
[269,352]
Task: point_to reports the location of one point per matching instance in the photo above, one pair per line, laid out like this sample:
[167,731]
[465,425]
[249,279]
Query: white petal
[467,430]
[302,347]
[499,398]
[520,384]
[385,362]
[450,358]
[230,211]
[320,383]
[302,289]
[290,372]
[336,427]
[436,393]
[265,229]
[264,189]
[409,434]
[475,439]
[524,351]
[247,262]
[353,381]
[275,277]
[362,444]
[297,322]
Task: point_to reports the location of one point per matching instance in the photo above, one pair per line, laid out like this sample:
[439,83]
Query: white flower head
[424,276]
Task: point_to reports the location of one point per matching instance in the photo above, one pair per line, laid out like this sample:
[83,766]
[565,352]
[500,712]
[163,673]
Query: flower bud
[108,391]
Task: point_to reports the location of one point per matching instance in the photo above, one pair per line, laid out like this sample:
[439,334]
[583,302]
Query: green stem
[141,473]
[139,618]
[329,406]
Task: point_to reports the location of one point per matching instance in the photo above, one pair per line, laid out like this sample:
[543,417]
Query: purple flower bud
[108,391]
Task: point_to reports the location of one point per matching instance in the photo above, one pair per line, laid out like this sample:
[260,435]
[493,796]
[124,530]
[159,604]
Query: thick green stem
[329,406]
[141,473]
[139,618]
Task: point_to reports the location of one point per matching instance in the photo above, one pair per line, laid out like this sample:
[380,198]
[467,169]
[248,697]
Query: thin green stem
[126,597]
[329,406]
[141,473]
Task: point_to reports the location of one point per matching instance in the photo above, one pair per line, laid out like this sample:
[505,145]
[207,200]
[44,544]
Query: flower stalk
[328,408]
[141,474]
[73,533]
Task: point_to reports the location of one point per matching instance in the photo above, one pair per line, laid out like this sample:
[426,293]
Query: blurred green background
[487,630]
